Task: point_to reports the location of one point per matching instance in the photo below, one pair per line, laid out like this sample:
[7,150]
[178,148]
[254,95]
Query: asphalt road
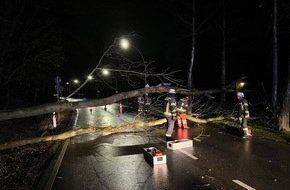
[220,160]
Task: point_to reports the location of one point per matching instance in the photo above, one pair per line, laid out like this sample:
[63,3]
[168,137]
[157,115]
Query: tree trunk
[285,107]
[190,68]
[65,135]
[275,56]
[223,64]
[65,105]
[108,129]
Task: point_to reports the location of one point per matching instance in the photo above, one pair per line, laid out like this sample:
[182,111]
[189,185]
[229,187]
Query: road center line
[243,185]
[186,153]
[76,119]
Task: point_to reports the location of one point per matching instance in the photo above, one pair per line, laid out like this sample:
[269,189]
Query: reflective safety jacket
[243,109]
[182,106]
[147,100]
[140,100]
[169,107]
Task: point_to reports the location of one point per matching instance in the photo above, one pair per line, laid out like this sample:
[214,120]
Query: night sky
[161,31]
[165,28]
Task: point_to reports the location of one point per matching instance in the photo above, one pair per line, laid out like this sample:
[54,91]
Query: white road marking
[186,153]
[76,120]
[243,185]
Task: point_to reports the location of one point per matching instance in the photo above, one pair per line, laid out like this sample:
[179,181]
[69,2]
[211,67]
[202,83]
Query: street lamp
[76,81]
[240,86]
[106,72]
[125,44]
[90,77]
[68,85]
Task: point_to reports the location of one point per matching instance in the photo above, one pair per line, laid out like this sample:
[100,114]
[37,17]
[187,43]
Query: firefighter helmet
[240,94]
[171,91]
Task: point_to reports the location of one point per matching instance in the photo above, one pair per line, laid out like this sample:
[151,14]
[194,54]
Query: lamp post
[68,85]
[76,82]
[240,86]
[91,78]
[106,72]
[125,44]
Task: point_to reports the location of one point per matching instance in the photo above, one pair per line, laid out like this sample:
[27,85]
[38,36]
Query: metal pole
[145,66]
[116,86]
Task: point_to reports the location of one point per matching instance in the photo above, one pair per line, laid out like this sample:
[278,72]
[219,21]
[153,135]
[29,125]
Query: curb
[47,180]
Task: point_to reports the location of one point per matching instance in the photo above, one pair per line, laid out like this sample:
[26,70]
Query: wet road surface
[220,160]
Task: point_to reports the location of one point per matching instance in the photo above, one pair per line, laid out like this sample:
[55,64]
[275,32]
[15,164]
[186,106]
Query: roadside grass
[256,126]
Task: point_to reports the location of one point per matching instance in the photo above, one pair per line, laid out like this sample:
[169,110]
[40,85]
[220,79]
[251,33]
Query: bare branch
[114,59]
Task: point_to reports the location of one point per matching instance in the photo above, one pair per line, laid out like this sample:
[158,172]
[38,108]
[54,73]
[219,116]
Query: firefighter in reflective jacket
[243,114]
[170,113]
[140,104]
[182,107]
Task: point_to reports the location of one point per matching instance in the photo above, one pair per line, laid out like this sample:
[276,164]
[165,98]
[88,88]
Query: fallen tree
[108,129]
[65,105]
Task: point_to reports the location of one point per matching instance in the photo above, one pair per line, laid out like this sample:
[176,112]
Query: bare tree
[223,62]
[134,72]
[192,60]
[275,55]
[285,105]
[284,17]
[30,49]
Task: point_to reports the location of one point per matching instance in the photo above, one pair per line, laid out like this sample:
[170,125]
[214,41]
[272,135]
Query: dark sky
[166,36]
[162,31]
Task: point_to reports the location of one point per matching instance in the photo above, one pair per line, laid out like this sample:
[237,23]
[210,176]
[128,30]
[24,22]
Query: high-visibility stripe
[243,185]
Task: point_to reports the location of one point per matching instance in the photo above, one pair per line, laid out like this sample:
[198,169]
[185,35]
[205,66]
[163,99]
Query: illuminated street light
[76,81]
[125,44]
[105,72]
[242,84]
[90,77]
[69,91]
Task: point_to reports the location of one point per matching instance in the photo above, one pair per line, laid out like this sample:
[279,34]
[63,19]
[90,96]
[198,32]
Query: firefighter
[243,114]
[170,113]
[147,103]
[182,107]
[140,104]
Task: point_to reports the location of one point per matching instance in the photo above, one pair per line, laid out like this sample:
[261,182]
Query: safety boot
[168,139]
[245,136]
[249,132]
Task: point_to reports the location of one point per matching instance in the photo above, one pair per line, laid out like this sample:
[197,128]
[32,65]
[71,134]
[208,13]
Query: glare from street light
[105,72]
[124,43]
[90,77]
[76,81]
[242,84]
